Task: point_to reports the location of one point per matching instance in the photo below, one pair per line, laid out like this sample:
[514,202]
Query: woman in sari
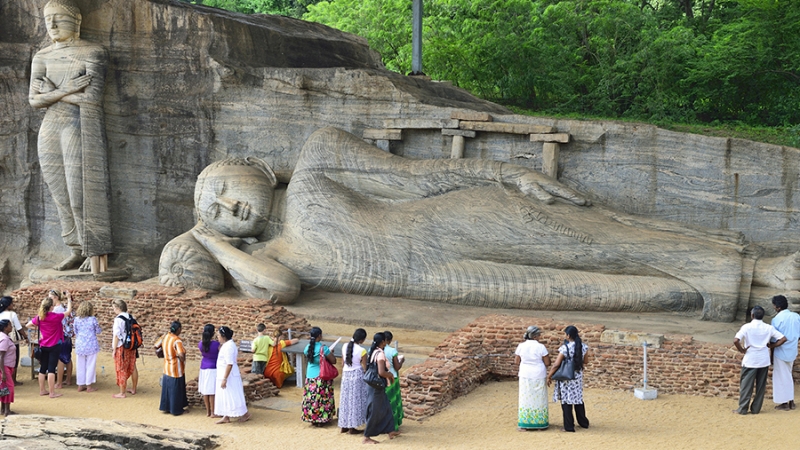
[319,405]
[533,360]
[379,412]
[570,392]
[353,396]
[276,359]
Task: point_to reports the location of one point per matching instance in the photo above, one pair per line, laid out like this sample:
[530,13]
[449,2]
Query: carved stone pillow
[184,262]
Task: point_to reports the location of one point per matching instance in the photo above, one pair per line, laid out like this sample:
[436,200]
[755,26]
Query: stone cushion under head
[184,262]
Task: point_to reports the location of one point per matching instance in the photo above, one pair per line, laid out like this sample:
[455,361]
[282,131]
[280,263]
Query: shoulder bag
[566,371]
[37,349]
[372,377]
[327,371]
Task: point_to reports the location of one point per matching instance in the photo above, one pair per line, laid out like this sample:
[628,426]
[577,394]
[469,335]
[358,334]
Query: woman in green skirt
[393,391]
[533,360]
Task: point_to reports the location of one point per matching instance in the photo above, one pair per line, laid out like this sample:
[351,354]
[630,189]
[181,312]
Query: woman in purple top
[52,335]
[86,346]
[206,383]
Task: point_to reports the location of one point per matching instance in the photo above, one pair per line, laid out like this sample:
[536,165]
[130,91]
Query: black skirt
[379,413]
[173,395]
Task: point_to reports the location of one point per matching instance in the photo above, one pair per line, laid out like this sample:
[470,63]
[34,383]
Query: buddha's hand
[43,85]
[547,189]
[210,237]
[77,84]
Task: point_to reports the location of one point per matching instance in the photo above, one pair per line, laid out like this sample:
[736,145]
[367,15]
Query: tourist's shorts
[258,367]
[66,351]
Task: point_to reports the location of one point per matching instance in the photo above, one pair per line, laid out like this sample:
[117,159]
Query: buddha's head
[234,196]
[63,20]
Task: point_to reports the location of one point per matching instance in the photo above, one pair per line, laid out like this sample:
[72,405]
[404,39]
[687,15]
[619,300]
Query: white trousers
[782,384]
[86,369]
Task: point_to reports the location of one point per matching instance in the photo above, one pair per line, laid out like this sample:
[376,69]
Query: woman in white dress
[229,401]
[353,391]
[532,358]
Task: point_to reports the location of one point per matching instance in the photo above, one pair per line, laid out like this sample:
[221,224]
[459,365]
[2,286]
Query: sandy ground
[486,418]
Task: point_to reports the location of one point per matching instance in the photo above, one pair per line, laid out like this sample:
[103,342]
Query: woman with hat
[533,360]
[17,335]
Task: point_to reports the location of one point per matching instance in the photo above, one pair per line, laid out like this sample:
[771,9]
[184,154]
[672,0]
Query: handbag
[566,371]
[160,348]
[37,350]
[372,377]
[327,371]
[4,391]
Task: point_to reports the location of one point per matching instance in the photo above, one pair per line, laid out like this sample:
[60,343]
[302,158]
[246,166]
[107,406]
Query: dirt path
[484,419]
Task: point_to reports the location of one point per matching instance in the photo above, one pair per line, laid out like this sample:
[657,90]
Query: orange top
[173,348]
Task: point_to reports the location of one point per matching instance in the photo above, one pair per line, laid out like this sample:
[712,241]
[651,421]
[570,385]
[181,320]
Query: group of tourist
[533,359]
[763,345]
[219,381]
[378,408]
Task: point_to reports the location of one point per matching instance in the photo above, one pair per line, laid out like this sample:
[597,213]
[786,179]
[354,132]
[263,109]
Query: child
[260,347]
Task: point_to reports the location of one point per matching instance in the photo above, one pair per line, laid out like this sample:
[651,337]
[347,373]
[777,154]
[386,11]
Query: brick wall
[155,307]
[485,348]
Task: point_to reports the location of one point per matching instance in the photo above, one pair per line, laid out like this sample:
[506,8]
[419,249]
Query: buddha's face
[61,25]
[235,200]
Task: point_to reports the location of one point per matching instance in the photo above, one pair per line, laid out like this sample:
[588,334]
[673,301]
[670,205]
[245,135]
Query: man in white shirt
[788,324]
[753,339]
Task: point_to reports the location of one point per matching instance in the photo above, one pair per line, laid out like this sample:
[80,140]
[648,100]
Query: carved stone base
[43,274]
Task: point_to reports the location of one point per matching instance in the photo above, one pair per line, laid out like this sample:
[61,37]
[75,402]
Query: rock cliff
[188,85]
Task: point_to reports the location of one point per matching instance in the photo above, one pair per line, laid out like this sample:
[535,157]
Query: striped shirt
[173,347]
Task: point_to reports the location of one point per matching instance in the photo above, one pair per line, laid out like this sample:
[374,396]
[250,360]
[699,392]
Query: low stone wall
[485,348]
[256,386]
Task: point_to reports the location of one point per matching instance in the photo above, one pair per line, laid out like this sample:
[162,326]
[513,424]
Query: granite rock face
[189,85]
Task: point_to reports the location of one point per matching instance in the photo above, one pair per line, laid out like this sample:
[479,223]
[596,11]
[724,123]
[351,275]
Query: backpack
[133,333]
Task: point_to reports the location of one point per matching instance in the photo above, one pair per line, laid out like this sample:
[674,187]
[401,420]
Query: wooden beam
[464,133]
[511,128]
[474,116]
[420,124]
[383,134]
[562,138]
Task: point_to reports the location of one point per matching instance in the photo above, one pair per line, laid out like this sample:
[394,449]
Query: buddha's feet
[86,266]
[71,262]
[779,273]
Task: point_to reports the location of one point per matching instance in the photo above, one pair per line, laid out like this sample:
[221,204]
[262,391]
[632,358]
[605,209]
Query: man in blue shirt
[788,323]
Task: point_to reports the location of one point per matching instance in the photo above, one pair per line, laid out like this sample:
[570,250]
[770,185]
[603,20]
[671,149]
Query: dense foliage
[658,60]
[690,61]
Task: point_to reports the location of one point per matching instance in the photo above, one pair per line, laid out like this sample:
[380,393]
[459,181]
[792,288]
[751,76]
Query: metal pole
[644,346]
[416,38]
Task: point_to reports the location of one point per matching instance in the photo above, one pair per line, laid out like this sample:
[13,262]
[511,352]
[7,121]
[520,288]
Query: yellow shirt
[260,347]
